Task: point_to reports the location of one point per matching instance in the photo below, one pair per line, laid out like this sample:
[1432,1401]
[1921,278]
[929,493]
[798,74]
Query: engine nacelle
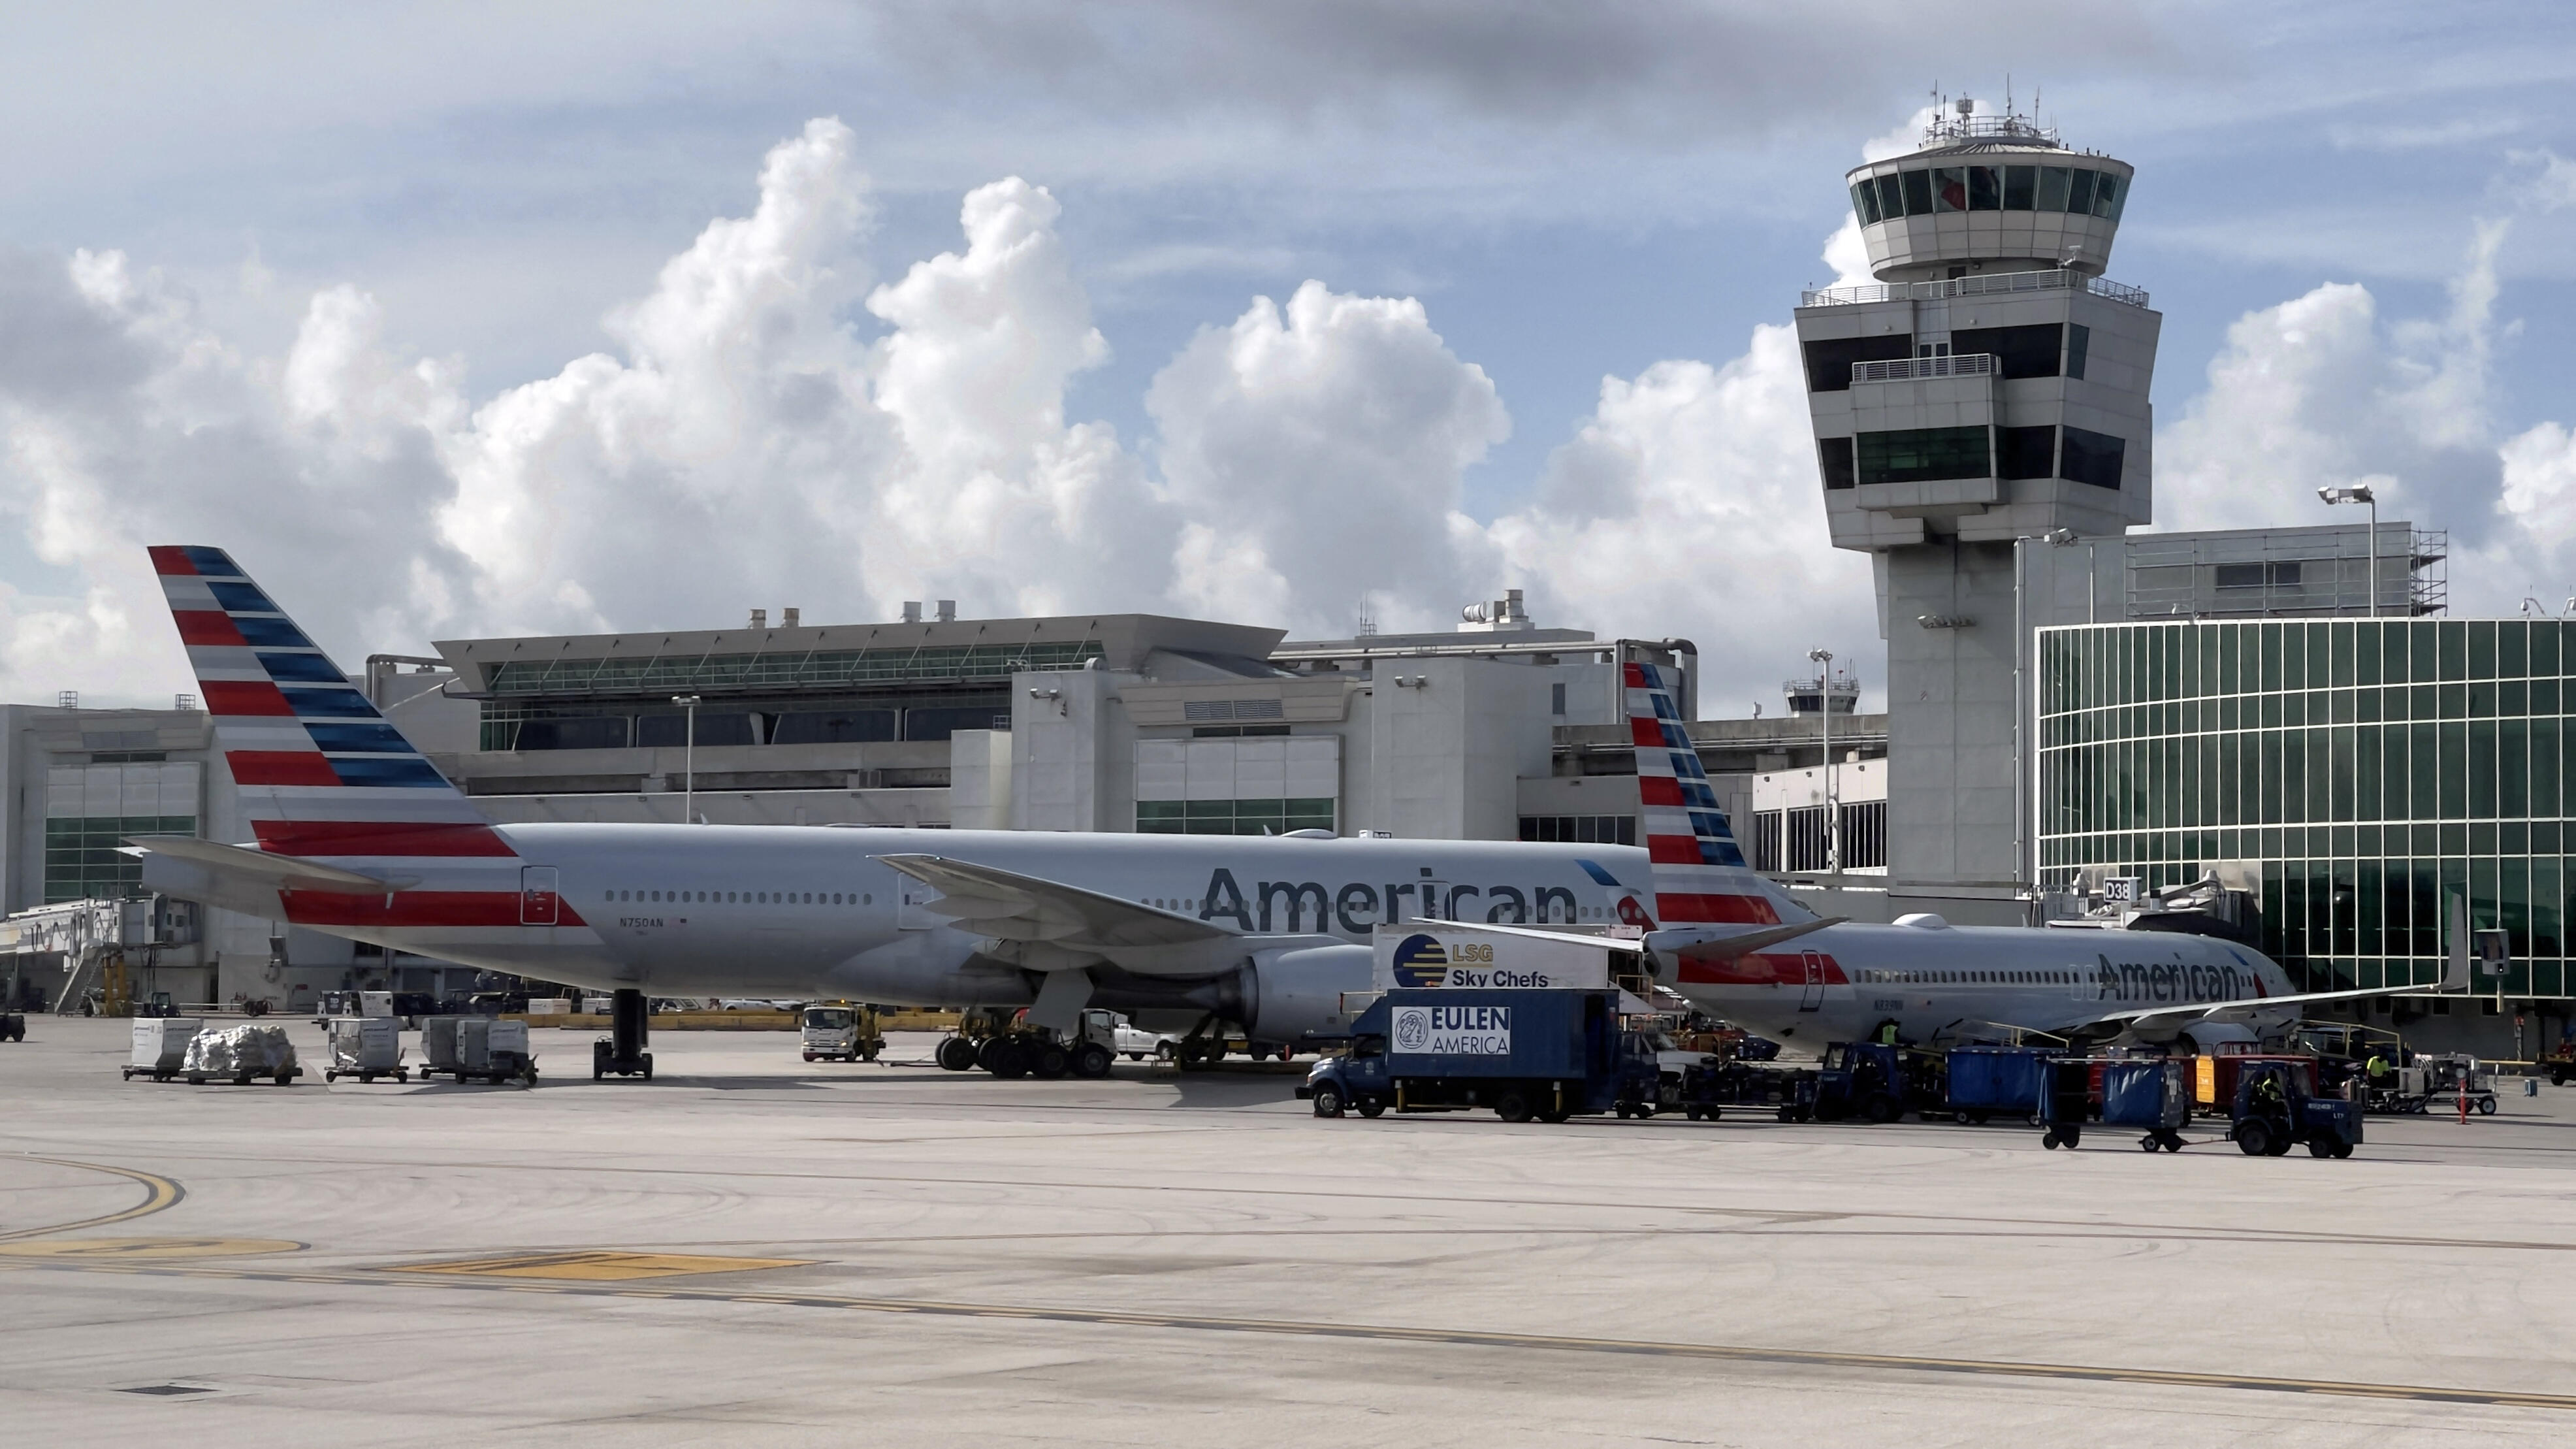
[1297,992]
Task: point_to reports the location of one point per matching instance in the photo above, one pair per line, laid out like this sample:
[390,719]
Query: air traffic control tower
[1990,387]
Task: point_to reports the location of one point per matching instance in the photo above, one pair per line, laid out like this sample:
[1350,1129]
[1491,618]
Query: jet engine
[1297,992]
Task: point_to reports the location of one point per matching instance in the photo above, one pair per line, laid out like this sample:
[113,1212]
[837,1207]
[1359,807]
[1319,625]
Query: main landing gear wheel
[955,1054]
[1328,1101]
[1091,1060]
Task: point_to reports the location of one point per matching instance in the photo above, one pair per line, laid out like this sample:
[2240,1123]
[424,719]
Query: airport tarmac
[750,1249]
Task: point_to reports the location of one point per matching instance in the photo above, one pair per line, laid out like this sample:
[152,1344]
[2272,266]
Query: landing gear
[621,1053]
[956,1054]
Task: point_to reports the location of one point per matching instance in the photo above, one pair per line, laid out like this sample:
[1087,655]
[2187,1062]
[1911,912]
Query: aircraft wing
[1081,926]
[2238,1012]
[276,872]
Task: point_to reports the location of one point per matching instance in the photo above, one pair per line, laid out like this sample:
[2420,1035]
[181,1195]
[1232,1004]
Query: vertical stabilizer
[1699,872]
[321,772]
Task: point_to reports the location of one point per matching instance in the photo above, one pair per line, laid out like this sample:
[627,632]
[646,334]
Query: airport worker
[1887,1033]
[2377,1069]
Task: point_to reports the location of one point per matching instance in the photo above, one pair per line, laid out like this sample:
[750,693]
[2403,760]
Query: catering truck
[1549,1054]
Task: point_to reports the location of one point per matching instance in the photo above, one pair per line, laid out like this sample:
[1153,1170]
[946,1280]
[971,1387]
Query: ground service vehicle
[1549,1054]
[2450,1079]
[1877,1082]
[2275,1111]
[2561,1064]
[841,1032]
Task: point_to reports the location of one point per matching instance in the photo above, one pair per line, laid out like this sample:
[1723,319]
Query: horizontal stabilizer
[1745,943]
[278,872]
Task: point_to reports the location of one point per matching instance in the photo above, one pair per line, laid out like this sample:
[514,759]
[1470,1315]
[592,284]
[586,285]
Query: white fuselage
[1843,982]
[813,913]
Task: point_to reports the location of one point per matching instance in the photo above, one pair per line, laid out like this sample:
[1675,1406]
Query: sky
[473,319]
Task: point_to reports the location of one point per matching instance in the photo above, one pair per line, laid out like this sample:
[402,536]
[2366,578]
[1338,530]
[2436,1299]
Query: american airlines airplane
[1937,983]
[359,836]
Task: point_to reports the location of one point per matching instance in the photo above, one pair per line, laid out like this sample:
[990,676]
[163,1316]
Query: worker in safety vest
[2378,1070]
[1887,1033]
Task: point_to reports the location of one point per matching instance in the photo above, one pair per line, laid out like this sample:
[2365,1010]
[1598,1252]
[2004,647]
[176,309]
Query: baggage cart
[2150,1093]
[1989,1082]
[366,1047]
[160,1046]
[1711,1086]
[477,1049]
[2458,1080]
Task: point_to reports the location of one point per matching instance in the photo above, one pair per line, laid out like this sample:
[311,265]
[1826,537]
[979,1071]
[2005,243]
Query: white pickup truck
[1125,1037]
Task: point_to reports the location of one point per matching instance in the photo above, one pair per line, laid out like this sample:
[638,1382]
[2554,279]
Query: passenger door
[1811,995]
[540,903]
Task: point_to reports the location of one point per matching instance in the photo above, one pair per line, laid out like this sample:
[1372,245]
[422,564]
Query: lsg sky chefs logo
[1454,1031]
[1421,961]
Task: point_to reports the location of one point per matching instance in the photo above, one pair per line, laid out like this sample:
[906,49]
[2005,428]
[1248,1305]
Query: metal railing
[1966,364]
[1988,284]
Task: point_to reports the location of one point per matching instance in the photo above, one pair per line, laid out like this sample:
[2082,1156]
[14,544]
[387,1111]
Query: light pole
[1824,661]
[2360,493]
[688,759]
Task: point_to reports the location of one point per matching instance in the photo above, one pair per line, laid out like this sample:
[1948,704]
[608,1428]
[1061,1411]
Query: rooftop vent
[1495,615]
[787,618]
[948,611]
[912,611]
[760,618]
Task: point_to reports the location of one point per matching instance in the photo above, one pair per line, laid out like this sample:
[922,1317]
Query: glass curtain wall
[2368,768]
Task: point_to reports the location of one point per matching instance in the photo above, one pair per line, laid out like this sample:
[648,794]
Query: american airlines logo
[2173,981]
[1355,907]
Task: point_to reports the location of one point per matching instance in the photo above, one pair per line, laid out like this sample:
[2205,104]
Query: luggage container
[160,1046]
[1877,1082]
[477,1049]
[1530,1052]
[2150,1093]
[1988,1082]
[366,1047]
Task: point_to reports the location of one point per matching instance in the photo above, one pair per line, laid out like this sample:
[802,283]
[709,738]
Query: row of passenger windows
[743,898]
[1966,978]
[1924,455]
[1939,190]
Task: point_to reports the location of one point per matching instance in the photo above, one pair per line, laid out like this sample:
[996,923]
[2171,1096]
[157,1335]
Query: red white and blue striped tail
[321,772]
[1700,877]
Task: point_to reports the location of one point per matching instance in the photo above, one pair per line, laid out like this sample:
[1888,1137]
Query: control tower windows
[2019,351]
[2107,196]
[2079,200]
[1834,456]
[2091,458]
[1922,455]
[1829,362]
[2079,341]
[1944,189]
[2026,452]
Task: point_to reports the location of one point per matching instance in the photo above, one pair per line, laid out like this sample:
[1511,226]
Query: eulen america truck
[1526,1023]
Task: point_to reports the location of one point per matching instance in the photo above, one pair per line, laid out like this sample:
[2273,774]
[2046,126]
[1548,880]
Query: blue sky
[1570,193]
